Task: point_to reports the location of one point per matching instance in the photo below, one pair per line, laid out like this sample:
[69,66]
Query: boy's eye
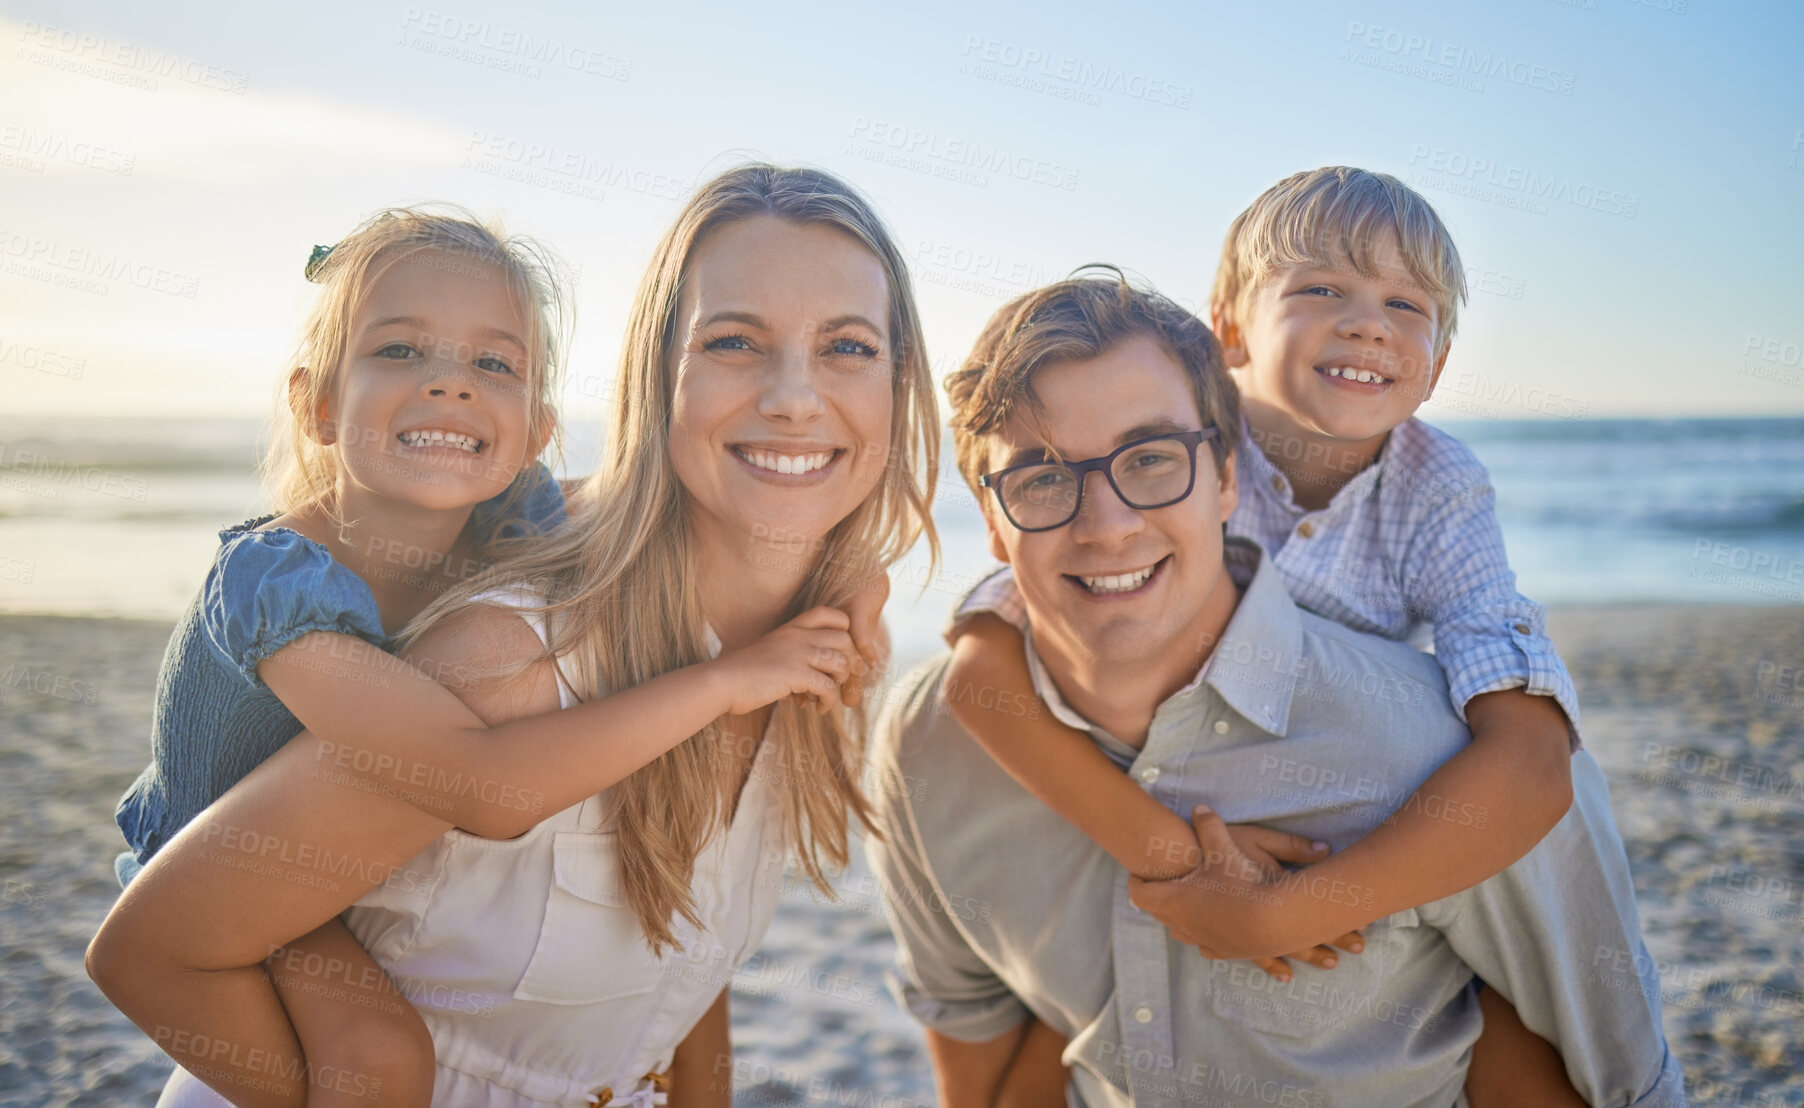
[1405,305]
[399,350]
[493,364]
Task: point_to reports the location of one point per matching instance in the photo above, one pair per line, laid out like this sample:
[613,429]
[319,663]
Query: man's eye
[396,350]
[494,365]
[854,346]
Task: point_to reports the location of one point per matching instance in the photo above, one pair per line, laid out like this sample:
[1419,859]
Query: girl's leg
[364,1043]
[1513,1065]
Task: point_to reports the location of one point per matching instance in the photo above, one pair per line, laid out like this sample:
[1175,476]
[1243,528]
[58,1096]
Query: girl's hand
[811,656]
[865,610]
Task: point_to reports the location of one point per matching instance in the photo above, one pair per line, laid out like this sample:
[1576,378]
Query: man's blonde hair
[1328,217]
[1075,320]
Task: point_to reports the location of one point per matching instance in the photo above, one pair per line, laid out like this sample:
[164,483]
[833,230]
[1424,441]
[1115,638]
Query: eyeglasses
[1147,473]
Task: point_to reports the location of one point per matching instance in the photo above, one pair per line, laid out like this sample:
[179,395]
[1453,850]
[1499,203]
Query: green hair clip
[317,259]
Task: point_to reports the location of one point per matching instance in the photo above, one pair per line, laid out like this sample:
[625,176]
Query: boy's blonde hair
[620,579]
[300,471]
[1325,217]
[1075,320]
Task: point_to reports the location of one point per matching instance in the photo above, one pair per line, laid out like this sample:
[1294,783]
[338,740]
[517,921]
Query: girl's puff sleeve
[268,588]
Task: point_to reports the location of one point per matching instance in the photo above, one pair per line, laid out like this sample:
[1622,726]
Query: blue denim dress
[214,720]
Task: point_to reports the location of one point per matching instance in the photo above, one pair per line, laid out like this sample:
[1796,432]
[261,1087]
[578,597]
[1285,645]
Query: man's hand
[1225,906]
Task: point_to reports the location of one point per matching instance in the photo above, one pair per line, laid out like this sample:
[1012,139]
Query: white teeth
[1120,582]
[1363,375]
[786,463]
[440,438]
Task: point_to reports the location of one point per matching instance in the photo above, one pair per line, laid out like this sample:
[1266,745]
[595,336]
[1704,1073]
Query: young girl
[414,424]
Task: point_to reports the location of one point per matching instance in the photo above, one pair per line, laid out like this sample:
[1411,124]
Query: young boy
[1335,304]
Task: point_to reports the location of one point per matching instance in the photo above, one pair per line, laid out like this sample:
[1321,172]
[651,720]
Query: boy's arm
[1037,1075]
[973,1074]
[992,695]
[386,723]
[1483,809]
[362,1040]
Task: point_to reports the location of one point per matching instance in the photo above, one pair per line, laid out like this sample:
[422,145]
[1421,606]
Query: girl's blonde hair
[620,579]
[300,471]
[1320,217]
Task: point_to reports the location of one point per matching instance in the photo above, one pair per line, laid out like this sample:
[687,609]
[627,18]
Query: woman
[774,398]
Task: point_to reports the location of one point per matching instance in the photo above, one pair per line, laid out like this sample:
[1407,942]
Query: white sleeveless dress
[531,970]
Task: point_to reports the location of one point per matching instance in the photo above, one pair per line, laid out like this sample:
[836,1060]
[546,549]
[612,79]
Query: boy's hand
[811,656]
[865,611]
[1206,905]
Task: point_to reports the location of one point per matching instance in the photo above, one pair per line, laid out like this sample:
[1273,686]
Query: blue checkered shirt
[1408,548]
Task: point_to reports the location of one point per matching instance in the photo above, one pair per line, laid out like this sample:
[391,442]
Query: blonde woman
[773,445]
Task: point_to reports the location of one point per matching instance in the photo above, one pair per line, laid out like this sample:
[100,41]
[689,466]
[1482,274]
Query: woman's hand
[811,655]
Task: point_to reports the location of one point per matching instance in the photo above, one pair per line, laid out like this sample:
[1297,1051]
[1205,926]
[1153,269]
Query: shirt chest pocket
[1318,1000]
[590,946]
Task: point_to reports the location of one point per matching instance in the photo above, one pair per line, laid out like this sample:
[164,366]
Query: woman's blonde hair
[1320,217]
[620,579]
[299,470]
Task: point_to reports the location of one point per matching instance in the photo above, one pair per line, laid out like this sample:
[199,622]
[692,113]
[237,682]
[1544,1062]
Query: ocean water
[119,517]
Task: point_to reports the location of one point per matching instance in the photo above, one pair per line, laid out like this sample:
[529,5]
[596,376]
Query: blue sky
[1625,179]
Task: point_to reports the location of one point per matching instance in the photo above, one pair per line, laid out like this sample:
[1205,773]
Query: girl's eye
[1321,289]
[398,350]
[494,365]
[728,342]
[854,346]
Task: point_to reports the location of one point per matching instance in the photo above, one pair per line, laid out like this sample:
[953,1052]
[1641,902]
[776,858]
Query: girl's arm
[701,1070]
[991,694]
[1483,809]
[386,726]
[281,853]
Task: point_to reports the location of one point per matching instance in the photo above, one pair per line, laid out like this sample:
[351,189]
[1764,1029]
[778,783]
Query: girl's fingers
[1321,956]
[823,619]
[1353,941]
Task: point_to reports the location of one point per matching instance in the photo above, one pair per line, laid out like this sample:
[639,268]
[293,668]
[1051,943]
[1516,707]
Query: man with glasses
[1176,649]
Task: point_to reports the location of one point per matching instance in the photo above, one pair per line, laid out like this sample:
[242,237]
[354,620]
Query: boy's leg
[1513,1065]
[364,1043]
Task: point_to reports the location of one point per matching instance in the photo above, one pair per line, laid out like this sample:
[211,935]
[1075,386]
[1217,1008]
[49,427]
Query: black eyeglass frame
[1105,463]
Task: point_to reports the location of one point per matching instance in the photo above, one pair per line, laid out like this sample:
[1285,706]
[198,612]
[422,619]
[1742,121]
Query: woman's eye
[396,350]
[494,365]
[728,342]
[854,346]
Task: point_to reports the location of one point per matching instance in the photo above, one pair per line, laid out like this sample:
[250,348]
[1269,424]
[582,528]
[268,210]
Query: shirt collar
[1271,484]
[1253,668]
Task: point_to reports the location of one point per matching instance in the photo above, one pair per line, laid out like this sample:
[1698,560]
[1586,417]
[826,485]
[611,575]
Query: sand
[1697,715]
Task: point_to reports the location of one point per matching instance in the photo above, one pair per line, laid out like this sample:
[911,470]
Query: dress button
[1305,528]
[1221,727]
[1143,1014]
[1149,774]
[1277,483]
[1522,629]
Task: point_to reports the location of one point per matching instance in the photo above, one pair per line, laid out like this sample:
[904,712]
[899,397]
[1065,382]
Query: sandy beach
[1696,713]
